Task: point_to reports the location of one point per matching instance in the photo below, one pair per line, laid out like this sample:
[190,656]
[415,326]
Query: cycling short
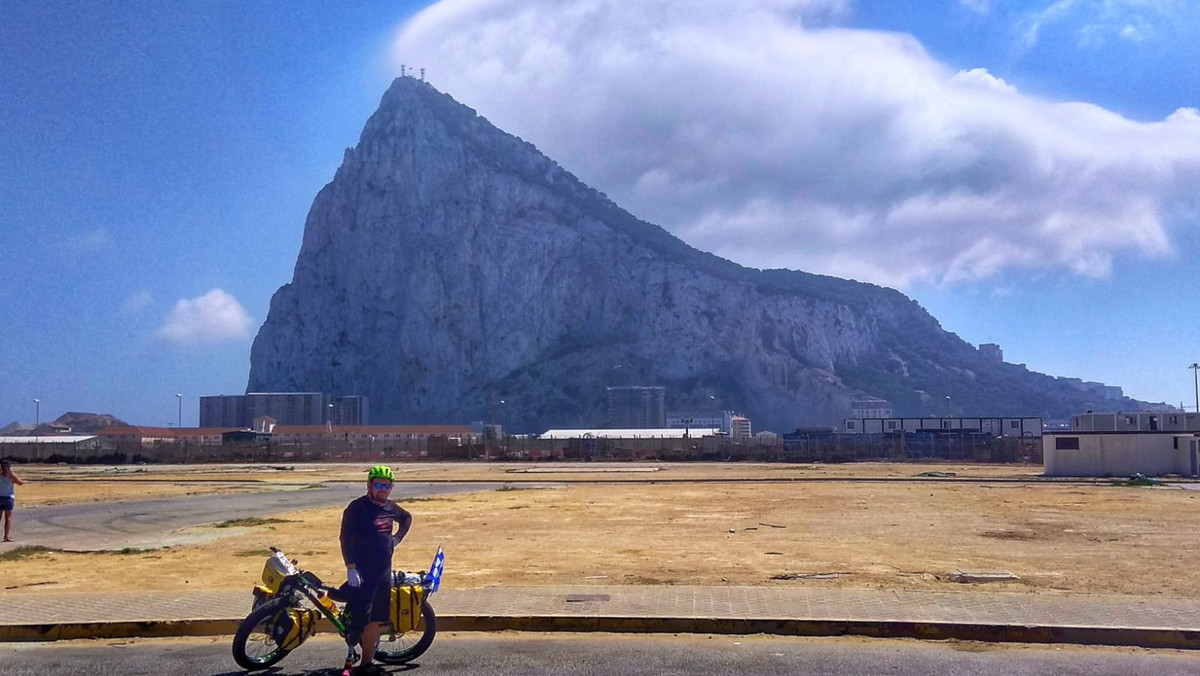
[6,504]
[369,603]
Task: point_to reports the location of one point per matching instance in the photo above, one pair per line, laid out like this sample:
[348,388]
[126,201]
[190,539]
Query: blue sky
[1028,171]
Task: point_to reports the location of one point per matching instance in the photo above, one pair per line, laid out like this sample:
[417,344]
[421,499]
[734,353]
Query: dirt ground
[855,525]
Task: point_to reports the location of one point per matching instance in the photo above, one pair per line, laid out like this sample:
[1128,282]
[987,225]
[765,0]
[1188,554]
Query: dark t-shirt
[367,535]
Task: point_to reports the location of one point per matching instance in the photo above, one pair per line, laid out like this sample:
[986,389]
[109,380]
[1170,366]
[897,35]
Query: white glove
[353,578]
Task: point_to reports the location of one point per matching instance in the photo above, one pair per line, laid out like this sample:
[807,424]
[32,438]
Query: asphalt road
[151,523]
[617,654]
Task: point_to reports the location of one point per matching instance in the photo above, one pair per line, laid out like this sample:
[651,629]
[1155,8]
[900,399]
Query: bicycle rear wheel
[396,648]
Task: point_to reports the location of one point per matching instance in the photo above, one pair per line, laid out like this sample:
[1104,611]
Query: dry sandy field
[864,525]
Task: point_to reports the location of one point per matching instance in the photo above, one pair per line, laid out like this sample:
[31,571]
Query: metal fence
[816,447]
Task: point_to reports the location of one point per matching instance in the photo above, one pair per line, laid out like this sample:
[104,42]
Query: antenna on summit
[402,70]
[422,75]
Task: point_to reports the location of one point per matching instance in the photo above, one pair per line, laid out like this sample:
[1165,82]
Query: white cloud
[91,241]
[137,302]
[1095,22]
[214,317]
[978,6]
[749,133]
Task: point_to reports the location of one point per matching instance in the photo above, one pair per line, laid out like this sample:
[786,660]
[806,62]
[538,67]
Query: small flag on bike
[435,571]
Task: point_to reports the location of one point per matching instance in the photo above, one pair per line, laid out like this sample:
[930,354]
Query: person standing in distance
[372,526]
[8,496]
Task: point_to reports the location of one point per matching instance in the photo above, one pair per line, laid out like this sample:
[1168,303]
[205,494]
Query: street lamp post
[503,424]
[179,425]
[947,407]
[37,422]
[1196,383]
[329,430]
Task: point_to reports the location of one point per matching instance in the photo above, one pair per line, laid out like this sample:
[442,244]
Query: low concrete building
[661,433]
[714,419]
[1139,421]
[382,437]
[870,407]
[1120,454]
[140,436]
[997,426]
[54,447]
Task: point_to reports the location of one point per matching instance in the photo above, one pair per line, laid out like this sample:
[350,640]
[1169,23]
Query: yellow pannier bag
[406,608]
[293,626]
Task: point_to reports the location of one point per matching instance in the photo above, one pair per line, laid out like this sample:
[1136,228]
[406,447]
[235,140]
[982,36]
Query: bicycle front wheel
[397,648]
[253,646]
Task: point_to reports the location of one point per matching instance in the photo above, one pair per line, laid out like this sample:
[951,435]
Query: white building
[1120,454]
[999,427]
[718,419]
[739,429]
[1143,421]
[991,352]
[660,433]
[42,447]
[870,407]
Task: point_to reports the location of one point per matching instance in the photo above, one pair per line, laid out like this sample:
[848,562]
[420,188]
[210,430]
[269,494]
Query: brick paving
[968,607]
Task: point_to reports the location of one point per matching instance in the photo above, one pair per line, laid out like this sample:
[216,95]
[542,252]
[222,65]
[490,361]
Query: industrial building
[637,406]
[286,408]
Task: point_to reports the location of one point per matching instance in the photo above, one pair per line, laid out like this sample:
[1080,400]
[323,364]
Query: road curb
[990,633]
[65,631]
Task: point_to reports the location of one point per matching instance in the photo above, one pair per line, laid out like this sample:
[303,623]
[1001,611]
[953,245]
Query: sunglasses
[381,487]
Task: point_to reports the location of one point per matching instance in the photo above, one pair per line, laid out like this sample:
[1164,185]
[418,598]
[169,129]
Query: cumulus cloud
[761,131]
[212,318]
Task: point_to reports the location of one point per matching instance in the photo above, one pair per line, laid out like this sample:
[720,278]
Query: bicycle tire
[247,636]
[396,648]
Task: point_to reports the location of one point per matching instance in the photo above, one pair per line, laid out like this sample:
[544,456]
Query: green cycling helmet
[380,472]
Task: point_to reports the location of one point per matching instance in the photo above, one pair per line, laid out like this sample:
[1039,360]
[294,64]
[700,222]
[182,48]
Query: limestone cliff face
[449,265]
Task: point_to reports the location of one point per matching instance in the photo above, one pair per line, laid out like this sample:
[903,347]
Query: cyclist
[372,526]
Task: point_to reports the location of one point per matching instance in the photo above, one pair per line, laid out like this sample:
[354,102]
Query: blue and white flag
[435,571]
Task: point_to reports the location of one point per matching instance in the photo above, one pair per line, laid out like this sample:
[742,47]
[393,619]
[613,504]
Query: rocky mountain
[87,423]
[449,266]
[74,422]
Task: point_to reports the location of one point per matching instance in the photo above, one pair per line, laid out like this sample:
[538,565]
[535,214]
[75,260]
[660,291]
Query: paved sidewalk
[801,611]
